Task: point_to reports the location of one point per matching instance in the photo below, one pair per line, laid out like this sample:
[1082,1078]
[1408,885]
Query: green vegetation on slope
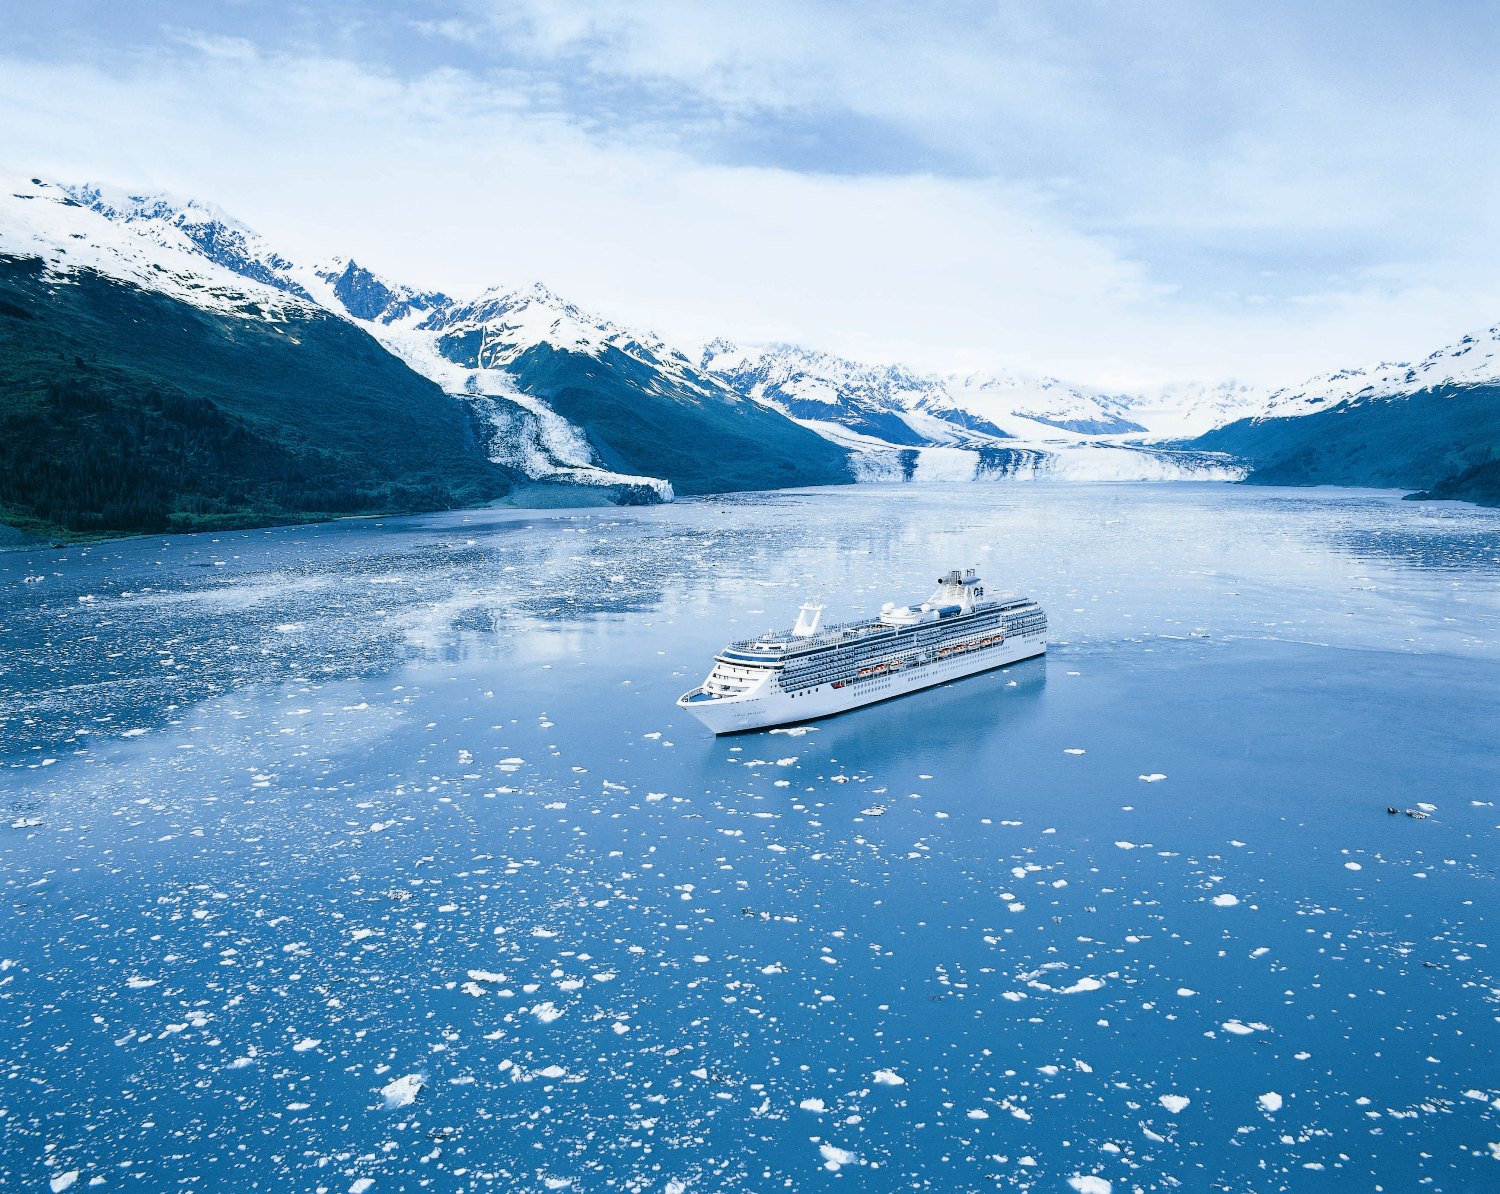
[1408,443]
[640,423]
[1480,485]
[123,410]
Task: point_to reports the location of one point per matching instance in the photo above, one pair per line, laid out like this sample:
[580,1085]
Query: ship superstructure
[814,670]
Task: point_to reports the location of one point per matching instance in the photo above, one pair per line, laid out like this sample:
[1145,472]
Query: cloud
[998,200]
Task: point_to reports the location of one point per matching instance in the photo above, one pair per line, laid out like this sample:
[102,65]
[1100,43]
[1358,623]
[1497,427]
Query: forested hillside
[127,410]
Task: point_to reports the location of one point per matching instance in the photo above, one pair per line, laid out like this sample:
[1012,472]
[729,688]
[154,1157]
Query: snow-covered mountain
[527,435]
[887,402]
[962,426]
[572,397]
[517,354]
[489,348]
[43,221]
[1432,425]
[148,387]
[1471,361]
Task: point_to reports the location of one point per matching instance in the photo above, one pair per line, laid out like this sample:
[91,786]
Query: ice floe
[403,1091]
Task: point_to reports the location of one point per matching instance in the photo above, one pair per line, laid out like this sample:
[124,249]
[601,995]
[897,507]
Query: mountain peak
[204,227]
[127,207]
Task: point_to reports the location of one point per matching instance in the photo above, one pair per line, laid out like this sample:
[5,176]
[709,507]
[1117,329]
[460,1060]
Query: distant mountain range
[165,367]
[1432,425]
[905,425]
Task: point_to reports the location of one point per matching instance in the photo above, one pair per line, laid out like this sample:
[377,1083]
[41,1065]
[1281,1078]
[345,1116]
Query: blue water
[377,852]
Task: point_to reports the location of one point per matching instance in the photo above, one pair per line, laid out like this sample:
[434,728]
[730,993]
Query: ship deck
[784,645]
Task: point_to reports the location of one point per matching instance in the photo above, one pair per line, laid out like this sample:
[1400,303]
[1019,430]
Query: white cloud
[467,178]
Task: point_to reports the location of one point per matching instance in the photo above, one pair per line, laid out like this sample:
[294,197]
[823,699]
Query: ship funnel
[807,620]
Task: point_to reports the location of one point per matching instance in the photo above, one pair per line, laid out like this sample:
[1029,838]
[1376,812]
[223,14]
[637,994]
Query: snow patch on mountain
[912,426]
[527,433]
[1472,360]
[41,220]
[1042,405]
[1184,410]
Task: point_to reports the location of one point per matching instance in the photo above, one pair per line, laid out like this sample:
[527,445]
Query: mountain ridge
[568,398]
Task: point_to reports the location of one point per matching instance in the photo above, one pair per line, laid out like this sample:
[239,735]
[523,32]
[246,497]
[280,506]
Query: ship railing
[787,641]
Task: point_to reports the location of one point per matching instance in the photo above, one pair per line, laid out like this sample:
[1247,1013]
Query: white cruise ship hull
[767,705]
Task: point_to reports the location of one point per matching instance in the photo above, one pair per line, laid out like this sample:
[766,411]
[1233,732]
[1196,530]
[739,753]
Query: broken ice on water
[345,858]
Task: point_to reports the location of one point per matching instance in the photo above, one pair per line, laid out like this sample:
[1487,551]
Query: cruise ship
[814,671]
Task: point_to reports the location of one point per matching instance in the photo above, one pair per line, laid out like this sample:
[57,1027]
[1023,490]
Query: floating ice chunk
[795,731]
[1126,845]
[1083,984]
[546,1012]
[813,1105]
[305,1044]
[1186,992]
[1154,777]
[979,1113]
[136,733]
[1270,1101]
[539,932]
[361,1184]
[1353,866]
[835,1158]
[1073,750]
[64,1181]
[553,1071]
[1237,1027]
[402,1092]
[889,1078]
[1174,1102]
[1087,1183]
[136,983]
[1225,900]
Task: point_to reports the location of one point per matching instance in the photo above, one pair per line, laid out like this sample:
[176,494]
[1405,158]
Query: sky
[1120,195]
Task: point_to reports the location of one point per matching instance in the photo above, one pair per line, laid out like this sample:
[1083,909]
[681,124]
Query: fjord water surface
[376,856]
